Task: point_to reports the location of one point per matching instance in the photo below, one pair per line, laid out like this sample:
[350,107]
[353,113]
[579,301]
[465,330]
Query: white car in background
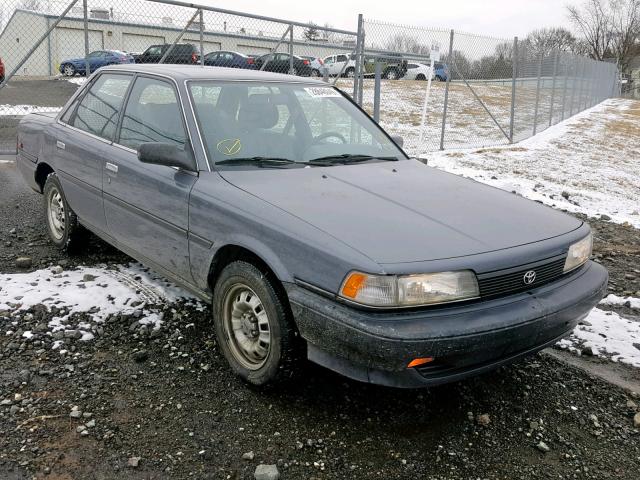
[419,71]
[335,63]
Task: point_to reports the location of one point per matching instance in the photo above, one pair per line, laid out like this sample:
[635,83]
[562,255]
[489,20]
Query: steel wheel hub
[55,214]
[246,326]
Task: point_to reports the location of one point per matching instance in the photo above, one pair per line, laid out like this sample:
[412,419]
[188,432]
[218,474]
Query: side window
[156,50]
[99,108]
[412,65]
[342,58]
[152,114]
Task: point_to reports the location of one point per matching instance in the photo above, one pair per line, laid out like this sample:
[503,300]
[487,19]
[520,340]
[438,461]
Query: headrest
[259,111]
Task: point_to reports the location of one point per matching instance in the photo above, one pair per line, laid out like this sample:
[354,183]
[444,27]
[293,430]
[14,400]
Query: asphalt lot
[169,400]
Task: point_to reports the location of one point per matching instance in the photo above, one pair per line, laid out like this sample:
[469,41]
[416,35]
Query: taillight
[194,57]
[320,61]
[305,61]
[250,61]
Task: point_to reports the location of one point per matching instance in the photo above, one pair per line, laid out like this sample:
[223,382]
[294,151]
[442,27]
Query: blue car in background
[97,59]
[441,70]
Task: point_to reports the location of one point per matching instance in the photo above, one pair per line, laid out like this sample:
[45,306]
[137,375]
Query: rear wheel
[392,74]
[315,73]
[350,72]
[69,70]
[420,76]
[254,325]
[62,223]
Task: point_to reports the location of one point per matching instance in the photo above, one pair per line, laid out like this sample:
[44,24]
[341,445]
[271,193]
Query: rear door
[146,206]
[83,144]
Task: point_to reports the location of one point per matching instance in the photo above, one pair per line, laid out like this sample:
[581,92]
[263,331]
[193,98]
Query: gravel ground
[162,404]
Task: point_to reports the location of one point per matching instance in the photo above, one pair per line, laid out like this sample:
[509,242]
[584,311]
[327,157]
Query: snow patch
[608,335]
[10,110]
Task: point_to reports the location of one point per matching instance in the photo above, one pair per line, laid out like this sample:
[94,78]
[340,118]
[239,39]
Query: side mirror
[398,139]
[167,154]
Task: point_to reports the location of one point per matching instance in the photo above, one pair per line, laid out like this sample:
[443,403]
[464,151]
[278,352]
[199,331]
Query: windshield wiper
[259,161]
[347,158]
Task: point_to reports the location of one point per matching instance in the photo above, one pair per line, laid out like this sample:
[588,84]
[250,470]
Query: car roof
[196,72]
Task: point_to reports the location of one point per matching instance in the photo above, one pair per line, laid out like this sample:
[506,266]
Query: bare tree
[593,20]
[544,41]
[403,43]
[311,32]
[625,22]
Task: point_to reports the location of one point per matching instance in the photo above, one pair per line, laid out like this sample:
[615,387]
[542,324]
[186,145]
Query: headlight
[579,253]
[409,290]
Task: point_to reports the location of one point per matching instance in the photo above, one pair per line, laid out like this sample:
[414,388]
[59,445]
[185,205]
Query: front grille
[505,282]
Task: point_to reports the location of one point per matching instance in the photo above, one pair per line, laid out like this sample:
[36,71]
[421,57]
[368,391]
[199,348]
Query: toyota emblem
[529,277]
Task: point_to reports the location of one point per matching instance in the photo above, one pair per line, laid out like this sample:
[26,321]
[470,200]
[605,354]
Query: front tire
[350,72]
[254,325]
[69,70]
[63,227]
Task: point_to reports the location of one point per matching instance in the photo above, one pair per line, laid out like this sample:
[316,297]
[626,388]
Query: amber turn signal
[416,362]
[353,284]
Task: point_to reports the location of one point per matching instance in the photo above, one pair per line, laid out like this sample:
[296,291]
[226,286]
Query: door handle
[60,145]
[111,167]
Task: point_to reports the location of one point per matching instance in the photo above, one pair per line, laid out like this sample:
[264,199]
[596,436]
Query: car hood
[397,212]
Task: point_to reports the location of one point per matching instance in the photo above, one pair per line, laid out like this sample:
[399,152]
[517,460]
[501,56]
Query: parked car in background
[230,60]
[441,71]
[181,53]
[308,229]
[316,65]
[1,71]
[279,63]
[97,59]
[340,64]
[394,66]
[419,71]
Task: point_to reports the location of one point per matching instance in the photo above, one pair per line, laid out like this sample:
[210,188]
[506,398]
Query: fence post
[201,38]
[86,38]
[446,92]
[356,73]
[574,72]
[553,86]
[564,89]
[514,67]
[361,62]
[290,49]
[177,39]
[376,92]
[49,48]
[535,114]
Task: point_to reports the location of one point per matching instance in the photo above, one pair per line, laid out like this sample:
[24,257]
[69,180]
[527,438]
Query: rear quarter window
[98,110]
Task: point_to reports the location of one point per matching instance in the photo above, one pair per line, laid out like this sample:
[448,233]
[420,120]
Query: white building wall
[18,37]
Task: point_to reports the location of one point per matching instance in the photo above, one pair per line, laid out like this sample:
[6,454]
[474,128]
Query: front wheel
[69,70]
[254,325]
[63,227]
[350,72]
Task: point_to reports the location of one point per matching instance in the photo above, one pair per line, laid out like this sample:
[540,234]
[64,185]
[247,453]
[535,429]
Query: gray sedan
[306,226]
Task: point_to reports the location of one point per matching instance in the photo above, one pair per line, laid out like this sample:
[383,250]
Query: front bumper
[465,340]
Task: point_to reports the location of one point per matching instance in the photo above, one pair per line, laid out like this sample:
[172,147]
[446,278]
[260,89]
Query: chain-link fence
[481,91]
[47,46]
[485,91]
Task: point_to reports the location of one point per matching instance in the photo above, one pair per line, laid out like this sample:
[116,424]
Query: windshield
[286,123]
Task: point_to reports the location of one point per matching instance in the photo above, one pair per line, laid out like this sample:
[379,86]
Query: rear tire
[391,74]
[63,227]
[315,73]
[254,325]
[350,72]
[420,76]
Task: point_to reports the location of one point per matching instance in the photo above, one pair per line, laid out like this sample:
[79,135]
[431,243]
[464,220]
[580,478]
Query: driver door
[146,206]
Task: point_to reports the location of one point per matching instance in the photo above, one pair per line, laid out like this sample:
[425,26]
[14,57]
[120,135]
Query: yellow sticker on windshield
[230,146]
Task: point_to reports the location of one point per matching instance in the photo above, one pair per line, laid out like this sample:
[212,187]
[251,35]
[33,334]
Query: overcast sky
[502,18]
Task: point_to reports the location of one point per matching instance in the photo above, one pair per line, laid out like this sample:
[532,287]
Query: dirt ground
[167,398]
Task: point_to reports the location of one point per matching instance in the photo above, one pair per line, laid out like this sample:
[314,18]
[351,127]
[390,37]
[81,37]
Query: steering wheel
[324,135]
